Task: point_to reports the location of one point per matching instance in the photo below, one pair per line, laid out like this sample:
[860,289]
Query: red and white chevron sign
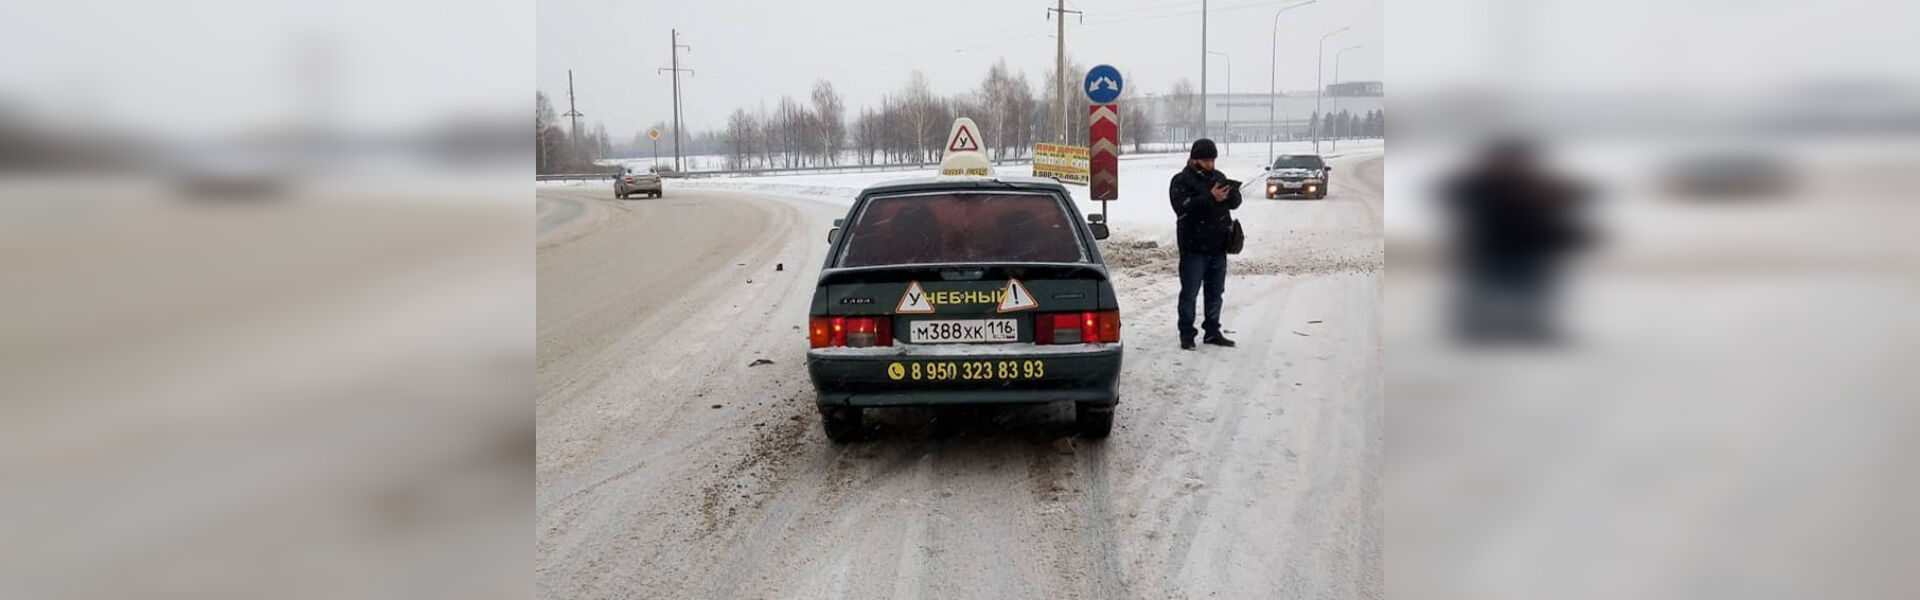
[1103,151]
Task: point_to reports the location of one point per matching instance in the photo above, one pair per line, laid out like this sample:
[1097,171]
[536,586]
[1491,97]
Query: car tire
[1093,420]
[842,423]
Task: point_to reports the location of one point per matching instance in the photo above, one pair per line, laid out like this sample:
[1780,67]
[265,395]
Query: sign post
[1066,164]
[654,132]
[1103,86]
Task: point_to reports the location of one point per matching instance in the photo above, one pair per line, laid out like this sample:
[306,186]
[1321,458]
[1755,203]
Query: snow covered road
[672,465]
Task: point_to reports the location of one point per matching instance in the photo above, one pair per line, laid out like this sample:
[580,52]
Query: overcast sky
[749,52]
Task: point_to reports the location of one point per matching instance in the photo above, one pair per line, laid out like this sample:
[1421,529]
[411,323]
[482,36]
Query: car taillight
[852,332]
[820,331]
[1077,327]
[629,180]
[865,332]
[1108,329]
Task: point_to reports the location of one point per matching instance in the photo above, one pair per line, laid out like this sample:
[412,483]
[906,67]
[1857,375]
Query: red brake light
[629,180]
[855,332]
[1108,329]
[1077,327]
[820,331]
[863,332]
[1056,328]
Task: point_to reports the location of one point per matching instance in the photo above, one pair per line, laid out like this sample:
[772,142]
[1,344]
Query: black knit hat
[1203,149]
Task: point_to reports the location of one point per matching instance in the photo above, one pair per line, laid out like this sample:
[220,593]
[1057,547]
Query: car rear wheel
[842,423]
[1093,420]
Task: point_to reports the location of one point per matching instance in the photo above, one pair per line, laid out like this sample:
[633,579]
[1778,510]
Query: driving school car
[964,288]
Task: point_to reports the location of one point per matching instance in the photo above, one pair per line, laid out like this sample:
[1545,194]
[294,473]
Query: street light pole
[1273,70]
[1228,134]
[1319,87]
[1336,80]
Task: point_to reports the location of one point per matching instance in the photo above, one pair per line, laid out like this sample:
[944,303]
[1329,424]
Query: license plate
[1290,184]
[963,331]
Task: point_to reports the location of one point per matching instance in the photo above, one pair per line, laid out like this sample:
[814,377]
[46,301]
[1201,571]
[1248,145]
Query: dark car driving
[1300,175]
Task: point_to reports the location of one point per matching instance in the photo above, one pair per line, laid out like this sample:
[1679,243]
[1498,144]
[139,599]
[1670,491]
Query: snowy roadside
[1143,179]
[1284,235]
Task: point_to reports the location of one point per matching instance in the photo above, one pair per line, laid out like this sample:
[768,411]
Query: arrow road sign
[1103,84]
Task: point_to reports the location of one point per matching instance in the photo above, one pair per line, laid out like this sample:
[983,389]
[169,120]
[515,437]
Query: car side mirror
[1327,168]
[1099,230]
[1096,218]
[833,235]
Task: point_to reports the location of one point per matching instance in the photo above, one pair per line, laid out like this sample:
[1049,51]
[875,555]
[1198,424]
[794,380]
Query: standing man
[1515,224]
[1203,200]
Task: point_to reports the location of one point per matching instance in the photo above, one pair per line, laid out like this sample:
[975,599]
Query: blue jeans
[1199,270]
[1506,298]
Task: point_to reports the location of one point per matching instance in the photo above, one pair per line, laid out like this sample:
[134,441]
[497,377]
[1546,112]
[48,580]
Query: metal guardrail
[838,168]
[776,170]
[572,176]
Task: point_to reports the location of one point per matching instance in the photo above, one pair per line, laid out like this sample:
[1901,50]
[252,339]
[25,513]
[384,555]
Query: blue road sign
[1103,84]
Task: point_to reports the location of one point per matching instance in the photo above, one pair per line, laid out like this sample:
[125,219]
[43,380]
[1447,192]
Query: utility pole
[573,115]
[1228,134]
[1060,66]
[1320,88]
[1336,81]
[675,69]
[1203,68]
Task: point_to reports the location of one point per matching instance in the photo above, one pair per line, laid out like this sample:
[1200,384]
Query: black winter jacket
[1203,223]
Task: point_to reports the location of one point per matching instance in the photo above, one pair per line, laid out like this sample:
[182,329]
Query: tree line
[1344,124]
[556,149]
[908,126]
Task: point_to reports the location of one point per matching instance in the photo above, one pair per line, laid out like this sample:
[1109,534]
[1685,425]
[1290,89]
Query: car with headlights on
[1298,175]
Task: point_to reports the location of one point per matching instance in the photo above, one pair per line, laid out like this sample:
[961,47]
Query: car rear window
[961,227]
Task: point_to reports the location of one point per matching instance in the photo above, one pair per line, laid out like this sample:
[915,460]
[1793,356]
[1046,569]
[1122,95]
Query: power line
[678,124]
[573,115]
[1184,13]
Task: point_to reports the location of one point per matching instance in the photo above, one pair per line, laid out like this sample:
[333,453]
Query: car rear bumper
[948,375]
[640,186]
